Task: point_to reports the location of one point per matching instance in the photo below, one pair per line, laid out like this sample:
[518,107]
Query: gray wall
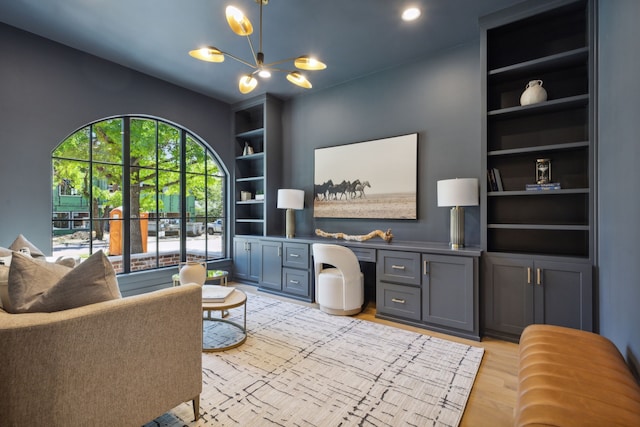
[47,91]
[437,97]
[619,174]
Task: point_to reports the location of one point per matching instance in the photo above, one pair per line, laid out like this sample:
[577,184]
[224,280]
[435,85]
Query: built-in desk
[422,284]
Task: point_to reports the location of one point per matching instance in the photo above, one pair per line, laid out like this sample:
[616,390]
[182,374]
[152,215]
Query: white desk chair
[339,288]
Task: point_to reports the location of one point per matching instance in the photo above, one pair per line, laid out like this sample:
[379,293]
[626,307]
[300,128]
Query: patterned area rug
[302,367]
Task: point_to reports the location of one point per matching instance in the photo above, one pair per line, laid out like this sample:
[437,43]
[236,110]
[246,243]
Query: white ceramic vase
[533,93]
[193,272]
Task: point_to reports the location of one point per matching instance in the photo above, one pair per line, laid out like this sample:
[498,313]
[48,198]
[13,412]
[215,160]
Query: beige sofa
[116,363]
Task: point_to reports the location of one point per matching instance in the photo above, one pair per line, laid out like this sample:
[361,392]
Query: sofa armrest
[119,362]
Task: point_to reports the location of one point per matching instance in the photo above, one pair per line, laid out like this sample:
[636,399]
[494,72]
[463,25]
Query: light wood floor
[493,395]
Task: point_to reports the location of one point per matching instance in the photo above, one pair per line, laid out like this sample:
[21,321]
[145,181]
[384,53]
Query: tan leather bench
[569,377]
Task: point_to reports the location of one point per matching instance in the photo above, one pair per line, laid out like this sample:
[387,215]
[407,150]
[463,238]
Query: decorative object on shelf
[241,25]
[245,196]
[259,195]
[533,93]
[193,272]
[457,193]
[543,171]
[495,180]
[548,186]
[386,236]
[248,150]
[290,199]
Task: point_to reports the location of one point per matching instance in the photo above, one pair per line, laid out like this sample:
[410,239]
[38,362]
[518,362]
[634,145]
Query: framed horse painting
[370,179]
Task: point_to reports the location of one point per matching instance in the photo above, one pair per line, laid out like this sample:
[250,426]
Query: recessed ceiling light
[411,14]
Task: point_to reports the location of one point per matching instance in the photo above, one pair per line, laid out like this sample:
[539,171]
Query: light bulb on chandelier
[241,25]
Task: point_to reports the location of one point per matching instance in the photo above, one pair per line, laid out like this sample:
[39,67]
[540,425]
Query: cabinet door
[508,292]
[448,291]
[254,260]
[271,271]
[563,294]
[246,257]
[241,256]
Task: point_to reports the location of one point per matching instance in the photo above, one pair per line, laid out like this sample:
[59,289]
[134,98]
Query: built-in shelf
[258,126]
[543,107]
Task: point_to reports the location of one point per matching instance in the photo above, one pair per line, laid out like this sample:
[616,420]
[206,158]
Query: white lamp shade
[458,192]
[290,199]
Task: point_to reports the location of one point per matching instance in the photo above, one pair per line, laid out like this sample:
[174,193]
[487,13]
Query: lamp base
[457,228]
[290,229]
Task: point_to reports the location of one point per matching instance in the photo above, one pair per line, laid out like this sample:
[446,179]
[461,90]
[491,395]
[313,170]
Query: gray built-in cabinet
[537,264]
[431,290]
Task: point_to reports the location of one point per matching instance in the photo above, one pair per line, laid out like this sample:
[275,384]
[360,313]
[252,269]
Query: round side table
[225,334]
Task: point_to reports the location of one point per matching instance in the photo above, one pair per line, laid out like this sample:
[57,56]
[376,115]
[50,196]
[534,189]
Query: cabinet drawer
[364,254]
[295,282]
[296,255]
[399,267]
[398,300]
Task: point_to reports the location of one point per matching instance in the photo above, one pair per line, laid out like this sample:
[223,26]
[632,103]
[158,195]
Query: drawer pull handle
[295,282]
[528,275]
[398,267]
[399,301]
[294,255]
[538,276]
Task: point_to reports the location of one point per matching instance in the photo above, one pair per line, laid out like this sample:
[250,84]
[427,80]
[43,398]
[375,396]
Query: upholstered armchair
[122,362]
[338,279]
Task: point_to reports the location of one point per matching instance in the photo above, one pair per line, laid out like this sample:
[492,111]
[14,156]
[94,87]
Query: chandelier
[241,25]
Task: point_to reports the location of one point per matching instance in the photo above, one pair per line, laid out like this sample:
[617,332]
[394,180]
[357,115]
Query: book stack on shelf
[541,187]
[495,180]
[216,293]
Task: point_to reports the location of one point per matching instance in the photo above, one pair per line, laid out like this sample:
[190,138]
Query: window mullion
[126,195]
[183,195]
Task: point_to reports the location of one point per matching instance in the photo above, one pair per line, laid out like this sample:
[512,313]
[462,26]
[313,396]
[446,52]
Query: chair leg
[196,408]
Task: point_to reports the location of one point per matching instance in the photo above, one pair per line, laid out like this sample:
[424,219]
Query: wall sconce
[457,192]
[290,199]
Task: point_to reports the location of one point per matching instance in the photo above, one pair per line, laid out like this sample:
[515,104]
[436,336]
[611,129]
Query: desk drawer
[364,254]
[296,282]
[398,300]
[399,267]
[296,255]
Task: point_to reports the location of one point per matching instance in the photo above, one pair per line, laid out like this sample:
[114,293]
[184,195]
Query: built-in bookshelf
[552,46]
[257,146]
[538,234]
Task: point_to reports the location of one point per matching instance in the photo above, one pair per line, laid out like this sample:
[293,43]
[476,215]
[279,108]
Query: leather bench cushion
[571,377]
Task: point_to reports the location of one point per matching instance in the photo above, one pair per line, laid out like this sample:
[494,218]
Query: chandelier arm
[253,53]
[239,60]
[282,61]
[279,69]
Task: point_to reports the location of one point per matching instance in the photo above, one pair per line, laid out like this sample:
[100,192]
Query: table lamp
[290,199]
[456,193]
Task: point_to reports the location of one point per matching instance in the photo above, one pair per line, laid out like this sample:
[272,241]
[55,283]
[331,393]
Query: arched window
[148,193]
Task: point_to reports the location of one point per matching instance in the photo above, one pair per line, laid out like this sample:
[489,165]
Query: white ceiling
[354,37]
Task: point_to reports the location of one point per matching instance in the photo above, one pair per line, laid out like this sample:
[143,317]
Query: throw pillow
[4,287]
[29,278]
[93,281]
[21,243]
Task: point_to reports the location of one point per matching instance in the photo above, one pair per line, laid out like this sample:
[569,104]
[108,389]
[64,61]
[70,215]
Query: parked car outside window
[214,227]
